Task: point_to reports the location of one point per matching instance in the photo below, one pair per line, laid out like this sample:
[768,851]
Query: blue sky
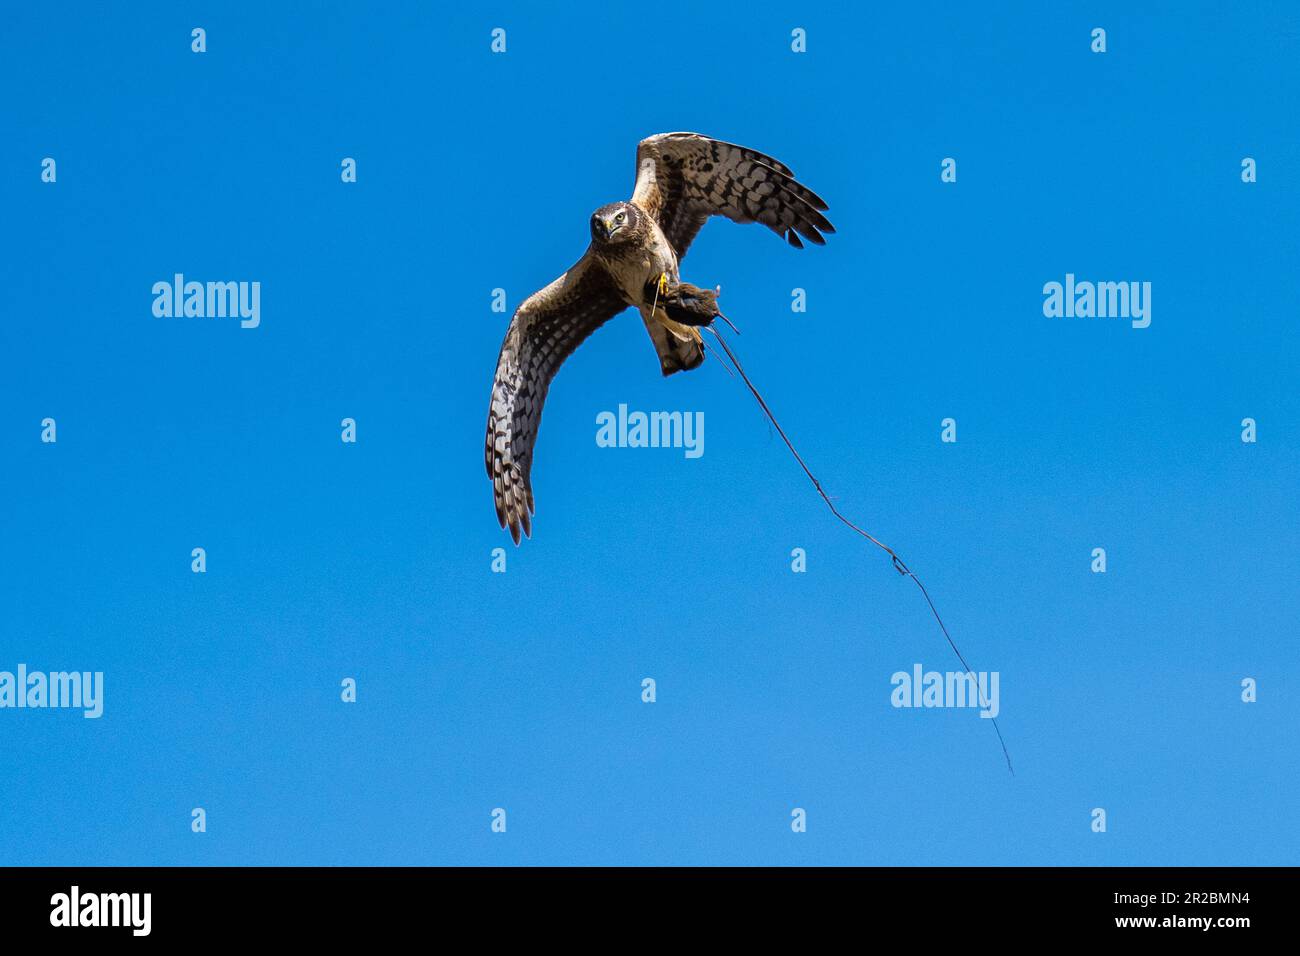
[522,690]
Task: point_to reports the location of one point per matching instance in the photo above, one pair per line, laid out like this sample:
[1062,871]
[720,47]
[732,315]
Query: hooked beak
[608,227]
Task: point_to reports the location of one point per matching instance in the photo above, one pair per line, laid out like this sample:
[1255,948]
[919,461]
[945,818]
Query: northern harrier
[682,179]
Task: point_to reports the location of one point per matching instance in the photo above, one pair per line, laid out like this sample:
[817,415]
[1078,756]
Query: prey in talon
[683,303]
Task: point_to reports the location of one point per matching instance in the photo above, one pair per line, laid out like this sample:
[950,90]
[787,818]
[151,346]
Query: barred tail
[680,347]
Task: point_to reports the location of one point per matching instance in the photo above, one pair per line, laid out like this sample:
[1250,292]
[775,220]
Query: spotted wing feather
[684,178]
[547,327]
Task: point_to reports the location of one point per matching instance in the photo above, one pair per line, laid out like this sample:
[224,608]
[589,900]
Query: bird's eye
[620,217]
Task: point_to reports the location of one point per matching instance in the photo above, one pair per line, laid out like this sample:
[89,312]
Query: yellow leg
[663,283]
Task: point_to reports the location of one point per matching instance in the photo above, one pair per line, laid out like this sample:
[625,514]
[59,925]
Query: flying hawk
[681,180]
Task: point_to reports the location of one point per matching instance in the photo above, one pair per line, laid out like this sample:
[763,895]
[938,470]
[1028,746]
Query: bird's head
[616,223]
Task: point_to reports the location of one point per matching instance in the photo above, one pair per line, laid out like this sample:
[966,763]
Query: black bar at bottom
[335,905]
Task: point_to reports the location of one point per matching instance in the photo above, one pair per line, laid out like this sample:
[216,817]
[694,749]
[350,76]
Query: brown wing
[684,178]
[545,330]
